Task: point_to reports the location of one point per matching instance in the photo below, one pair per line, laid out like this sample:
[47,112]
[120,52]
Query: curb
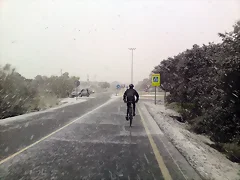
[187,171]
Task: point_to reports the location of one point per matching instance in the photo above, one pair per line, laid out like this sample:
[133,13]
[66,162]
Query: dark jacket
[130,94]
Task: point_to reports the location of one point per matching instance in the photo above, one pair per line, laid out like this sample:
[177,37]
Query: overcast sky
[93,37]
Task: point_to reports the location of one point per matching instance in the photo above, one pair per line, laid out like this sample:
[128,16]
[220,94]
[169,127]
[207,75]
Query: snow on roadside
[64,102]
[210,163]
[67,101]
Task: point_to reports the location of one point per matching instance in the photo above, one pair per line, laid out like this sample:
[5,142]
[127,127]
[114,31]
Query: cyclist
[129,97]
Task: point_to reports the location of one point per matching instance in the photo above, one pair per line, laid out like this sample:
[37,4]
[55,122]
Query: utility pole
[95,77]
[132,49]
[88,79]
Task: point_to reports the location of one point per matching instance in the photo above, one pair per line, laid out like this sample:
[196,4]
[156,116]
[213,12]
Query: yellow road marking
[45,137]
[157,154]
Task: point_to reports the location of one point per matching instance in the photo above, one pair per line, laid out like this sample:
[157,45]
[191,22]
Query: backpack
[130,94]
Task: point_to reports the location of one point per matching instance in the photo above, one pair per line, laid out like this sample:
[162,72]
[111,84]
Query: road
[17,134]
[94,143]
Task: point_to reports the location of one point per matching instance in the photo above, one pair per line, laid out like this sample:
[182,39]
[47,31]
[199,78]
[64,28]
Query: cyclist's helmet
[131,86]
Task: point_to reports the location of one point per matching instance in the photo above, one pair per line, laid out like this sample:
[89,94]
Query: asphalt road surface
[97,144]
[19,133]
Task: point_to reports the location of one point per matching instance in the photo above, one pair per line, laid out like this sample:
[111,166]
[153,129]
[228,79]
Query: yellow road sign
[155,79]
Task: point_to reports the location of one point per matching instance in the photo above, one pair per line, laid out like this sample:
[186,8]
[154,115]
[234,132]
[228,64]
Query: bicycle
[130,112]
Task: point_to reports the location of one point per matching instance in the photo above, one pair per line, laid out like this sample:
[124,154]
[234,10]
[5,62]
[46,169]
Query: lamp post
[132,49]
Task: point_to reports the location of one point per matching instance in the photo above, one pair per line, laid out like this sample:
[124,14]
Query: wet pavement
[99,145]
[24,130]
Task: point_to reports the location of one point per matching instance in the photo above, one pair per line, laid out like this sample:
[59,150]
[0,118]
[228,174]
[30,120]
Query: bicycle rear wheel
[130,115]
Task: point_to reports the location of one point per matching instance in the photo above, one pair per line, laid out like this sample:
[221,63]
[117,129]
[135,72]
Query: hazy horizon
[88,37]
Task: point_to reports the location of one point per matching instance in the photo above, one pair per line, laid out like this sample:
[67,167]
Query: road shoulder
[175,162]
[208,162]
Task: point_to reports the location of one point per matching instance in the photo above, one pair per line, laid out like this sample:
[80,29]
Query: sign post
[155,83]
[155,97]
[77,83]
[117,87]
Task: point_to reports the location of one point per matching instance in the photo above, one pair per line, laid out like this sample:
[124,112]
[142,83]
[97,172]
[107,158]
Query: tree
[104,85]
[205,81]
[20,95]
[144,84]
[16,94]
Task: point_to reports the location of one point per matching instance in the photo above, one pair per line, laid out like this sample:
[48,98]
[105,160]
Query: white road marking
[54,132]
[23,117]
[146,158]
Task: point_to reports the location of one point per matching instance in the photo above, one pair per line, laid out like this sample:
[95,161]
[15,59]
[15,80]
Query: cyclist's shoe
[134,114]
[127,118]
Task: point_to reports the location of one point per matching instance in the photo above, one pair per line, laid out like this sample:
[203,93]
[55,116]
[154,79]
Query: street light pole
[132,49]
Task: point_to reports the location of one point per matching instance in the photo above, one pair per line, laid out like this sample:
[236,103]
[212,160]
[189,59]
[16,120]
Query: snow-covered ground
[64,102]
[210,163]
[68,101]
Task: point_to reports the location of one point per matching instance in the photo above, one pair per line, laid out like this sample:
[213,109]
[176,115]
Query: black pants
[128,106]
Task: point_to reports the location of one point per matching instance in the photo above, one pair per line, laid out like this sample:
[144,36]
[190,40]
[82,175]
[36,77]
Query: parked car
[74,94]
[84,92]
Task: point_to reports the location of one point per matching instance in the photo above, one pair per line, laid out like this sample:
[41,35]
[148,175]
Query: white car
[74,94]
